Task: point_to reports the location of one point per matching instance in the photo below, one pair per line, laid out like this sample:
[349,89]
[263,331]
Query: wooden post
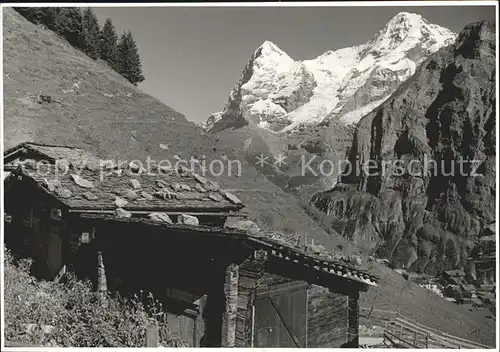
[307,315]
[231,306]
[369,314]
[415,339]
[151,336]
[353,321]
[102,286]
[427,341]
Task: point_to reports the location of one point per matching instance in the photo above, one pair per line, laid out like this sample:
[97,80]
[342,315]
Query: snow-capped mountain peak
[405,30]
[269,47]
[279,93]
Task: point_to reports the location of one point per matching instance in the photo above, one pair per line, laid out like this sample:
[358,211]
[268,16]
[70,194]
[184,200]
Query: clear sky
[193,56]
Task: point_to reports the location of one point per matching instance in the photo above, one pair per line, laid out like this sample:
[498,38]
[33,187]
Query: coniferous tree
[68,23]
[91,33]
[108,43]
[52,17]
[32,14]
[129,63]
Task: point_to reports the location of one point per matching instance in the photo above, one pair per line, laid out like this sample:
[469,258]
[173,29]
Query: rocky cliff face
[416,205]
[278,93]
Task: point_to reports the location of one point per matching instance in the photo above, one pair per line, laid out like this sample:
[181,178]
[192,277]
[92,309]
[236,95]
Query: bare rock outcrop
[431,147]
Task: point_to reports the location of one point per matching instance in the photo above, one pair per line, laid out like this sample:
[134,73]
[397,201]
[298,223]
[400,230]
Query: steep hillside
[426,215]
[91,106]
[397,294]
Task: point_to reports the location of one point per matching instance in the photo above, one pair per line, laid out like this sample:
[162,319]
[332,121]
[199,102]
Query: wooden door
[54,249]
[281,316]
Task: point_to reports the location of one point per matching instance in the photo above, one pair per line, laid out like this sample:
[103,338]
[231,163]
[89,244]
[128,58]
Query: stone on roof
[51,184]
[200,188]
[212,186]
[162,217]
[63,192]
[130,194]
[215,197]
[120,202]
[155,192]
[246,225]
[80,181]
[146,195]
[122,213]
[232,198]
[135,184]
[185,187]
[187,220]
[90,196]
[200,179]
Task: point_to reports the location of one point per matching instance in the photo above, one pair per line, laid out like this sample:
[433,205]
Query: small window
[85,237]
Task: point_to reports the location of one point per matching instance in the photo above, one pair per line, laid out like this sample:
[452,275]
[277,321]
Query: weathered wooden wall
[332,318]
[327,322]
[250,271]
[34,231]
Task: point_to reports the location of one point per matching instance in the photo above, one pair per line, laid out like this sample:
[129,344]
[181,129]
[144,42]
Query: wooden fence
[403,332]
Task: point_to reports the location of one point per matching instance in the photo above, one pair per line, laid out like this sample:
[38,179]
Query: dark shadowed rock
[419,216]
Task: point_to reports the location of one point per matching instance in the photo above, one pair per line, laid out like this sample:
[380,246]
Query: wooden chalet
[220,286]
[228,287]
[43,204]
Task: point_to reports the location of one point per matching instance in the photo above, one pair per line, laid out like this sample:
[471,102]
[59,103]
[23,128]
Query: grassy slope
[132,124]
[394,293]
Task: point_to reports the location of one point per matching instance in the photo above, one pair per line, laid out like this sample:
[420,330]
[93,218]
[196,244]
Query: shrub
[44,313]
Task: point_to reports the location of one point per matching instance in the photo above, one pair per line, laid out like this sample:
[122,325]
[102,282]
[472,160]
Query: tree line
[81,29]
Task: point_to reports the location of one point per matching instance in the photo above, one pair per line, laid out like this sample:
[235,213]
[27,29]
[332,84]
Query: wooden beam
[297,271]
[102,286]
[146,212]
[230,307]
[353,322]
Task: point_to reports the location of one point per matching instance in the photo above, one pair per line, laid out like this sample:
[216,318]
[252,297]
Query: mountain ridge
[278,93]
